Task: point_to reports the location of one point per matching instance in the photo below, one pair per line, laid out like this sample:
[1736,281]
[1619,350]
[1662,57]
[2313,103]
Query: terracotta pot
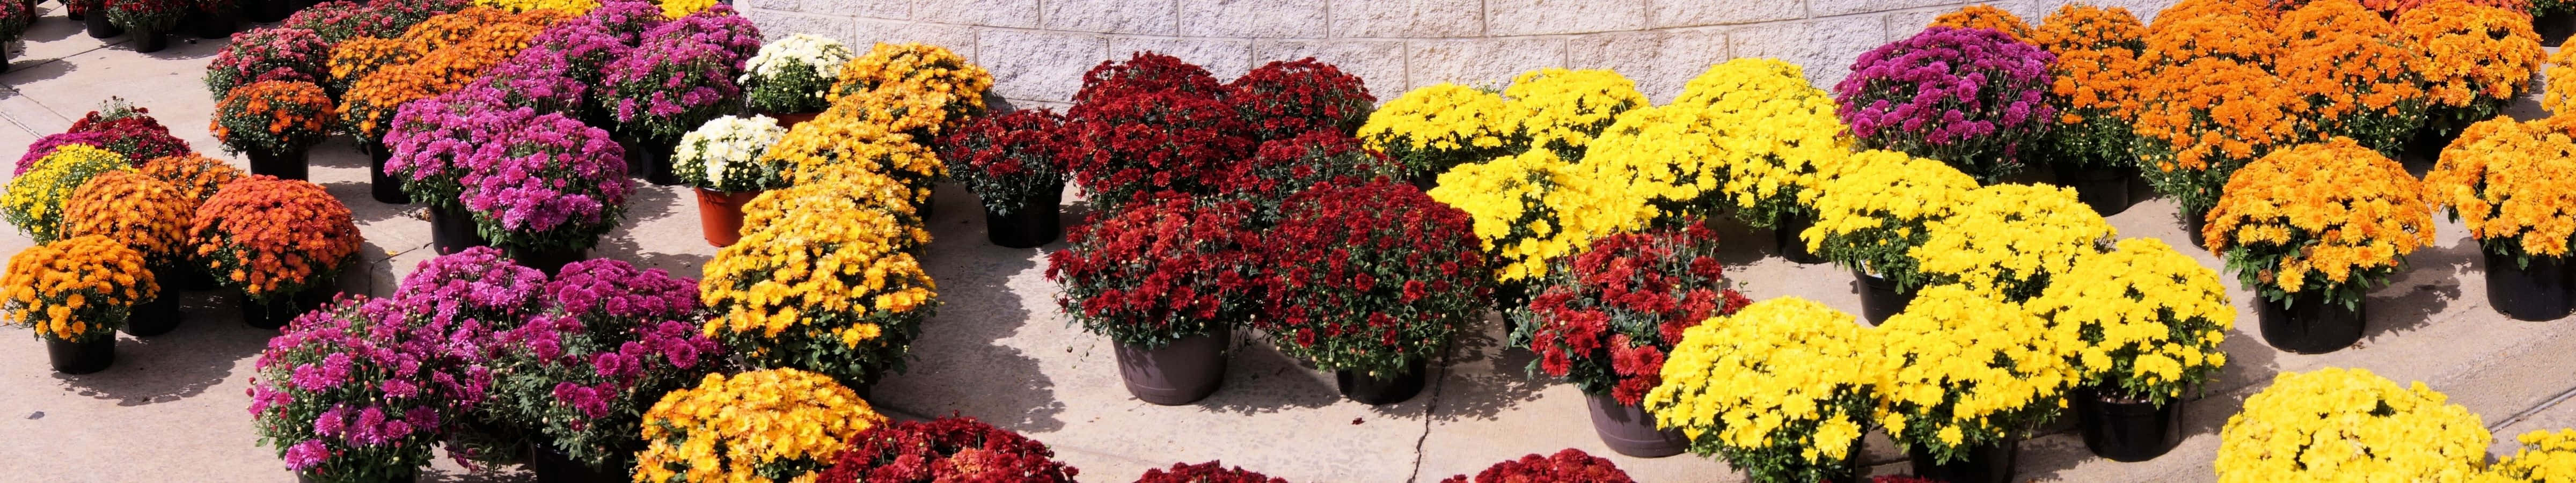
[2309,325]
[1879,298]
[1784,235]
[1037,222]
[1380,390]
[1181,372]
[2124,429]
[2537,292]
[1984,464]
[1629,430]
[286,165]
[720,215]
[81,357]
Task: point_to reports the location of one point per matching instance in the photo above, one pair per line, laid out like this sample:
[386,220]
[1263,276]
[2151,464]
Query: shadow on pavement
[201,353]
[2426,287]
[972,357]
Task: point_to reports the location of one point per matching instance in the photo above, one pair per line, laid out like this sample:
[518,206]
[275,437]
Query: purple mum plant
[431,137]
[585,47]
[552,184]
[361,390]
[1974,98]
[539,79]
[717,25]
[584,372]
[670,86]
[46,146]
[625,20]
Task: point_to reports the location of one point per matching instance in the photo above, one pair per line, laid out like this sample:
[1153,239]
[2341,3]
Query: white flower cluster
[725,154]
[801,51]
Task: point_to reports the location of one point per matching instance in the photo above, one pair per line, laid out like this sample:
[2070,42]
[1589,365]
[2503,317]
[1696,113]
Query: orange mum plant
[2560,95]
[2095,82]
[2513,184]
[358,57]
[195,176]
[2328,219]
[75,289]
[271,238]
[2362,76]
[1983,16]
[448,52]
[133,208]
[2477,58]
[921,67]
[2188,32]
[273,117]
[2208,118]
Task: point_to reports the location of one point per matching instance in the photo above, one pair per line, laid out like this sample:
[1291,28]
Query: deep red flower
[1369,256]
[1288,98]
[1567,466]
[945,450]
[1167,140]
[1144,72]
[1209,472]
[1637,292]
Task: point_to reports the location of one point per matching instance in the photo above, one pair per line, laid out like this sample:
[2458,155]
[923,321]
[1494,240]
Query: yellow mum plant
[1872,215]
[827,290]
[2010,239]
[1665,154]
[1562,110]
[2545,456]
[2337,424]
[1535,206]
[1782,390]
[2148,320]
[682,8]
[34,200]
[843,190]
[75,289]
[2559,93]
[132,208]
[2513,184]
[923,67]
[1961,369]
[755,427]
[2327,219]
[1437,127]
[831,142]
[1777,136]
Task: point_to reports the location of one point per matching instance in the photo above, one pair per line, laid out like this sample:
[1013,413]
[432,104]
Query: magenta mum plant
[46,146]
[668,87]
[332,21]
[393,17]
[586,47]
[555,184]
[717,25]
[539,79]
[431,137]
[1973,98]
[259,52]
[361,390]
[584,371]
[625,20]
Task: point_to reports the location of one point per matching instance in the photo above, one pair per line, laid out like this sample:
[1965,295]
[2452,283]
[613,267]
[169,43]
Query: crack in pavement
[1430,410]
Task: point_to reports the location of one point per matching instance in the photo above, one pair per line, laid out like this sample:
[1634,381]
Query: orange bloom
[2221,32]
[76,288]
[1983,16]
[2320,216]
[2098,69]
[131,207]
[447,51]
[268,236]
[2476,54]
[2512,183]
[195,176]
[2358,72]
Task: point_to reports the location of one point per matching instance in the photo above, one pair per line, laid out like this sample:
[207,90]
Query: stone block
[1479,62]
[1407,18]
[1378,63]
[988,13]
[1253,18]
[1224,58]
[776,24]
[867,33]
[1142,17]
[880,9]
[1660,61]
[1826,8]
[1691,13]
[1045,66]
[1826,47]
[787,5]
[1544,17]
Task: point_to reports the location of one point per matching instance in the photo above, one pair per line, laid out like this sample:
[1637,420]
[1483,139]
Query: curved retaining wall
[1038,49]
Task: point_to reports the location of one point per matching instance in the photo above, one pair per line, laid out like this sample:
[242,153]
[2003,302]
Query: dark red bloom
[1284,167]
[1209,472]
[1168,140]
[1370,256]
[1159,268]
[1567,466]
[1144,72]
[1607,317]
[1009,158]
[1287,98]
[946,450]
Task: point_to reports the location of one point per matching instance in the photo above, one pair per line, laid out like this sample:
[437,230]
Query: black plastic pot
[2191,225]
[1983,464]
[4,59]
[2309,325]
[276,313]
[1510,296]
[161,315]
[2123,429]
[451,230]
[149,41]
[1879,298]
[548,261]
[1374,390]
[384,187]
[2537,292]
[2554,27]
[1036,223]
[81,357]
[2104,189]
[1784,234]
[287,165]
[652,161]
[1178,373]
[405,475]
[214,25]
[194,278]
[2426,147]
[100,28]
[1628,430]
[553,466]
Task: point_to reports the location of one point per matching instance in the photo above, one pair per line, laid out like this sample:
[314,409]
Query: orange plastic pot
[720,215]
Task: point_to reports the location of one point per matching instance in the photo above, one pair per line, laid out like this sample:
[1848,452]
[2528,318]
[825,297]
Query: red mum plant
[1284,167]
[1568,466]
[1143,73]
[332,21]
[1288,98]
[146,15]
[945,450]
[1371,278]
[290,54]
[1155,141]
[1607,317]
[1209,472]
[1011,159]
[1160,269]
[130,131]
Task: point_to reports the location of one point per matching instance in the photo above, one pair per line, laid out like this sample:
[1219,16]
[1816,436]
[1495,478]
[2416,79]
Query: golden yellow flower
[747,427]
[2337,424]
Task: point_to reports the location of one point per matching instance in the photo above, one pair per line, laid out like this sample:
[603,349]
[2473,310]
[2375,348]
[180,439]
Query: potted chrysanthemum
[361,391]
[1167,281]
[2440,440]
[1798,353]
[33,201]
[855,325]
[1531,208]
[150,21]
[1778,139]
[1964,374]
[927,68]
[2010,239]
[14,20]
[945,449]
[149,216]
[1567,465]
[1283,167]
[1209,472]
[2506,181]
[789,78]
[283,54]
[1975,98]
[2150,320]
[724,162]
[130,131]
[196,178]
[662,90]
[2311,229]
[724,427]
[1871,217]
[1607,318]
[2477,59]
[2097,74]
[581,371]
[1370,281]
[1015,163]
[1284,99]
[75,293]
[276,123]
[1437,127]
[279,243]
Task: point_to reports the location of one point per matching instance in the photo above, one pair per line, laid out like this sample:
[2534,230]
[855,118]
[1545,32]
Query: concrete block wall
[1038,49]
